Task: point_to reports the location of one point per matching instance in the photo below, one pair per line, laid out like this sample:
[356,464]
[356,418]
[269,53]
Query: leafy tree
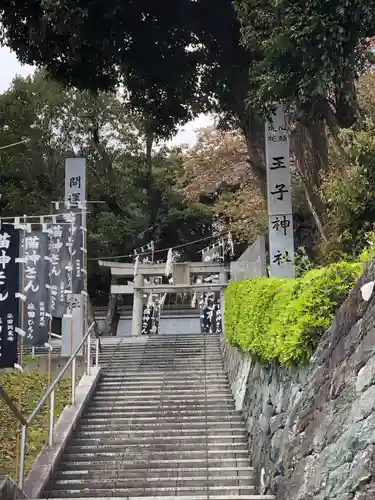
[216,173]
[99,46]
[174,59]
[348,189]
[61,122]
[308,55]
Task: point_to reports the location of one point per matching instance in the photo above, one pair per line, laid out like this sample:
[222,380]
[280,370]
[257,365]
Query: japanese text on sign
[278,165]
[9,288]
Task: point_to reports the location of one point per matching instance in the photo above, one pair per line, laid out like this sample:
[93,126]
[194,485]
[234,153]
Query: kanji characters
[4,240]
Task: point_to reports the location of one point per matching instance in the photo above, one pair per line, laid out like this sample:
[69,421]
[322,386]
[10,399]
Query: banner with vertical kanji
[36,285]
[59,258]
[9,288]
[78,283]
[73,221]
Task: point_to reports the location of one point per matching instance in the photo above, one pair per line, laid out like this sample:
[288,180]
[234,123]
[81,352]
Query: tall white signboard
[279,194]
[75,180]
[75,193]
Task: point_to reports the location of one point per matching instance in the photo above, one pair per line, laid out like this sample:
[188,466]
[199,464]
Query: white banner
[75,180]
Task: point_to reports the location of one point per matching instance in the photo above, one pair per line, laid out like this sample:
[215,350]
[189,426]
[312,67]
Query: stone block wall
[311,430]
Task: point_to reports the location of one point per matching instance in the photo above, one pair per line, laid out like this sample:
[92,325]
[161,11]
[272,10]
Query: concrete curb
[48,458]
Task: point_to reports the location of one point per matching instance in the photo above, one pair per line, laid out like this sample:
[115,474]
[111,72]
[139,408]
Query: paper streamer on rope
[136,265]
[194,300]
[168,265]
[230,243]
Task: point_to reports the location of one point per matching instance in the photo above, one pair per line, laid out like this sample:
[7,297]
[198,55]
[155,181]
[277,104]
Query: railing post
[22,456]
[51,417]
[88,371]
[73,398]
[97,353]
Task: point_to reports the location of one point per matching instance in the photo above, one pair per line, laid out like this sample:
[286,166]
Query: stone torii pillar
[137,305]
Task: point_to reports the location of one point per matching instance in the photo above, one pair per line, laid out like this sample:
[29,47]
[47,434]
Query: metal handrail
[50,393]
[54,384]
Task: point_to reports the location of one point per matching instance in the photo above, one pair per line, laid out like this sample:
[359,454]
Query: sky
[10,67]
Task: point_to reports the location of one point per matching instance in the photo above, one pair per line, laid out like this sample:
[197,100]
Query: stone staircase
[161,424]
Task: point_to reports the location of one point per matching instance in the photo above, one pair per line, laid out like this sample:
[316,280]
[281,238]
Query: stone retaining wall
[311,430]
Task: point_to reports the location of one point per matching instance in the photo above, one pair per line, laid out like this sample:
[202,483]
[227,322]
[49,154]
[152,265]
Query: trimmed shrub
[282,320]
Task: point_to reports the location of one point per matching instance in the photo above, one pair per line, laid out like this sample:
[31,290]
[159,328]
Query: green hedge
[282,320]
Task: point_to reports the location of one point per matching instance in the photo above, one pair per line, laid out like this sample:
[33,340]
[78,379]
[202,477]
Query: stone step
[206,358]
[160,368]
[155,433]
[186,375]
[155,473]
[113,387]
[216,496]
[125,380]
[183,420]
[164,406]
[176,396]
[214,453]
[203,359]
[161,427]
[178,353]
[156,393]
[156,492]
[169,378]
[208,352]
[167,405]
[152,355]
[159,413]
[151,482]
[135,465]
[155,446]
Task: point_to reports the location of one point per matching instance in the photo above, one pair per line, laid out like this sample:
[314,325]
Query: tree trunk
[112,317]
[253,129]
[310,147]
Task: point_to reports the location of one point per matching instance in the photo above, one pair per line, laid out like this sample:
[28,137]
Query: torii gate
[181,274]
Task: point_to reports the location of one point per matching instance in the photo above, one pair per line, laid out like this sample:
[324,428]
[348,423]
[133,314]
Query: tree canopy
[307,53]
[137,205]
[237,59]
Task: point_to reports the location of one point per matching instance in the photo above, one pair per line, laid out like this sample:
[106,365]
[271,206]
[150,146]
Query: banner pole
[70,303]
[85,270]
[22,323]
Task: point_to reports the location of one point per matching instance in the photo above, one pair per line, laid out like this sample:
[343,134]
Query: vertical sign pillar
[279,192]
[75,193]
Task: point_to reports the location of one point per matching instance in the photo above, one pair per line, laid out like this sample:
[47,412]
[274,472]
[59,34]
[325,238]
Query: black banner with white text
[35,320]
[9,303]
